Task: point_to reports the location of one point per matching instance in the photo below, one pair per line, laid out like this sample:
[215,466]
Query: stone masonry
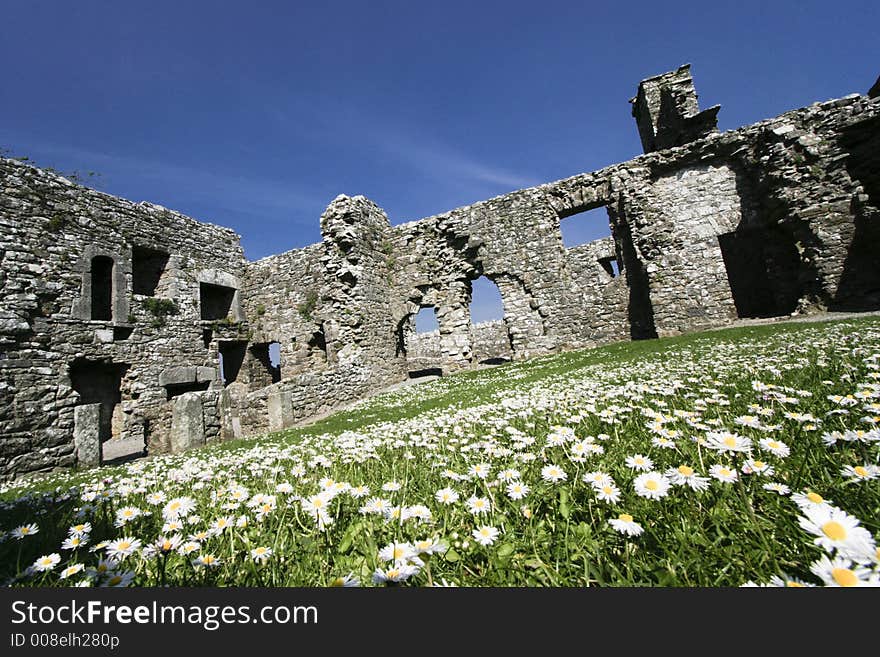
[122,320]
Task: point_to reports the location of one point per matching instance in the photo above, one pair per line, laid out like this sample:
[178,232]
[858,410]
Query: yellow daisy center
[861,471]
[730,441]
[651,484]
[758,465]
[834,530]
[685,470]
[815,498]
[773,444]
[844,577]
[399,552]
[794,585]
[625,517]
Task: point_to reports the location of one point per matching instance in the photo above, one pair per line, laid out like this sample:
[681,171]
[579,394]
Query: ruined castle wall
[281,302]
[779,217]
[603,292]
[487,340]
[54,234]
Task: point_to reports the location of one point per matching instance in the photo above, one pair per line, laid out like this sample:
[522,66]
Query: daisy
[79,530]
[726,442]
[775,447]
[73,542]
[835,529]
[402,552]
[752,421]
[663,442]
[723,473]
[480,470]
[753,466]
[597,478]
[172,526]
[24,530]
[163,545]
[684,475]
[776,487]
[429,546]
[397,573]
[261,553]
[206,561]
[126,514]
[608,493]
[391,486]
[46,562]
[376,505]
[156,498]
[516,490]
[625,524]
[485,535]
[477,505]
[222,523]
[189,547]
[346,581]
[179,506]
[71,570]
[652,485]
[810,500]
[553,473]
[123,547]
[860,472]
[509,474]
[446,496]
[787,581]
[639,462]
[359,491]
[118,580]
[842,572]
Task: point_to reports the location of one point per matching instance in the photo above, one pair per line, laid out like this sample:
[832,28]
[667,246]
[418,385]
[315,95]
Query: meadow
[740,457]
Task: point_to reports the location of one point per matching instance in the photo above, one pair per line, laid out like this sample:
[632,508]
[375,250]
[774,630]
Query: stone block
[178,375]
[280,409]
[87,434]
[187,422]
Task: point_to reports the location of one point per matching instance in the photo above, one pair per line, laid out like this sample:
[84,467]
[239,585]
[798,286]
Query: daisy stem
[740,486]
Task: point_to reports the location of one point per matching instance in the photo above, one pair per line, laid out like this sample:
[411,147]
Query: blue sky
[256,115]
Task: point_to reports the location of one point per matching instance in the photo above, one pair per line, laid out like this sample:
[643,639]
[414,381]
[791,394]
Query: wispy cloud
[411,145]
[439,160]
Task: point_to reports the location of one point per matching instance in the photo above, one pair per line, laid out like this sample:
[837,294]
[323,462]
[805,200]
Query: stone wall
[70,254]
[120,308]
[488,341]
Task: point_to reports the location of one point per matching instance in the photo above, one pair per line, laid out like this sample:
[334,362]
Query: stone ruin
[115,316]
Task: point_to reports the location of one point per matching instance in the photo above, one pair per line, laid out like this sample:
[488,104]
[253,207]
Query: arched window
[102,288]
[486,303]
[426,320]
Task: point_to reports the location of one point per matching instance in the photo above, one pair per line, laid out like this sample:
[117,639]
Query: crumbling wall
[123,308]
[52,233]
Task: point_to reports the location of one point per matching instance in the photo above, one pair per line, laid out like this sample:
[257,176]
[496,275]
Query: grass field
[743,456]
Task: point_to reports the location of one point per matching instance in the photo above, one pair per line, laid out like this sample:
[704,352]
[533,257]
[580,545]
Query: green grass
[428,437]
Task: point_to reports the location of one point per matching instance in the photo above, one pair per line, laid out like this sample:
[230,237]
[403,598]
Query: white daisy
[841,572]
[652,485]
[485,535]
[639,462]
[835,529]
[625,524]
